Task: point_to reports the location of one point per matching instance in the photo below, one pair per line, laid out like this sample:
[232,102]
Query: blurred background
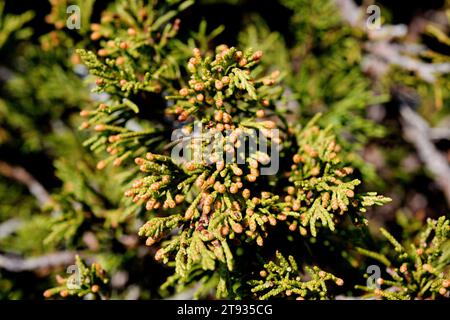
[383,84]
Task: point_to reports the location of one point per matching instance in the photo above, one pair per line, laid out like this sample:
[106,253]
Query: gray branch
[21,175]
[9,226]
[440,133]
[417,131]
[15,264]
[382,53]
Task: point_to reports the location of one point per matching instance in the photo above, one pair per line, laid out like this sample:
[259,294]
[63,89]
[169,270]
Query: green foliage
[321,185]
[142,192]
[213,213]
[327,76]
[417,270]
[130,67]
[284,279]
[12,25]
[215,191]
[88,282]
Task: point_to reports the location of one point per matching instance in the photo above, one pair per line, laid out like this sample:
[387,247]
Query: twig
[392,54]
[440,134]
[417,131]
[15,264]
[21,175]
[9,226]
[349,11]
[382,53]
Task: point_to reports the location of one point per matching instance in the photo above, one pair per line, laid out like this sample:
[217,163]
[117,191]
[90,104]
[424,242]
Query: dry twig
[417,131]
[15,264]
[21,175]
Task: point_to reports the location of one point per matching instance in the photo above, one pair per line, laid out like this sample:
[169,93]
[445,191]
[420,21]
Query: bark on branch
[21,175]
[14,264]
[417,132]
[9,226]
[383,53]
